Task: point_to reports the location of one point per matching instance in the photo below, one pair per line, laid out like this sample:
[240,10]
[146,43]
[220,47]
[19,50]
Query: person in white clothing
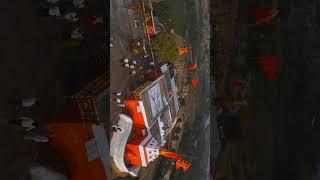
[134,72]
[126,65]
[122,105]
[80,3]
[76,34]
[126,60]
[151,64]
[134,62]
[119,93]
[72,16]
[29,102]
[117,100]
[132,66]
[55,11]
[37,137]
[25,122]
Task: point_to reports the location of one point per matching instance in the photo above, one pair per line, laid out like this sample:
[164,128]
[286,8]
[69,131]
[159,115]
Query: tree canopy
[162,11]
[165,47]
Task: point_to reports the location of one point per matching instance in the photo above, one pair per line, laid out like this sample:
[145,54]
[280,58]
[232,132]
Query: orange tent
[70,140]
[137,115]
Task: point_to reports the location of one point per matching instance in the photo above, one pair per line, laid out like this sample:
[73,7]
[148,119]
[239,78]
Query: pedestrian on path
[25,122]
[132,66]
[119,93]
[126,60]
[77,34]
[37,137]
[152,63]
[28,102]
[80,3]
[122,105]
[117,100]
[72,17]
[126,65]
[134,62]
[54,11]
[133,73]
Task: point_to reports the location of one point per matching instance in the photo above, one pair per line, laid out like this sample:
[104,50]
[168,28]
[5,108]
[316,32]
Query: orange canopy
[137,116]
[70,140]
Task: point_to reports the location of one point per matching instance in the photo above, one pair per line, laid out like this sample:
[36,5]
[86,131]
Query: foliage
[165,47]
[162,11]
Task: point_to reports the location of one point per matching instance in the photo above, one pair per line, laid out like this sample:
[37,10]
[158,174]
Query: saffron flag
[180,163]
[150,30]
[194,83]
[269,66]
[183,51]
[263,15]
[192,66]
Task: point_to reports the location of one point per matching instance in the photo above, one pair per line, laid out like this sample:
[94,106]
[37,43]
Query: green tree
[162,11]
[165,47]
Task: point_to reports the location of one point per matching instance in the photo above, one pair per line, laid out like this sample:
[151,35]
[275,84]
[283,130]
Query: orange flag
[269,66]
[192,66]
[194,83]
[263,15]
[183,51]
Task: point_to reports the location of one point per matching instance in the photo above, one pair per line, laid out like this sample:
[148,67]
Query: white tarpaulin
[155,99]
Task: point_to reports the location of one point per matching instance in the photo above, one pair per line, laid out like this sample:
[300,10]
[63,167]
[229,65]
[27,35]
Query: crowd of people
[70,11]
[32,129]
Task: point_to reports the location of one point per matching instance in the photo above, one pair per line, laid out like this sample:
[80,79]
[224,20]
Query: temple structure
[153,108]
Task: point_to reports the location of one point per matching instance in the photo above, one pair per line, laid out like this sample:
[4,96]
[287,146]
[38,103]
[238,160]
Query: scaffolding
[86,98]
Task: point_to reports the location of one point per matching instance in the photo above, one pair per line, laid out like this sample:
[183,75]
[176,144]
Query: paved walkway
[122,30]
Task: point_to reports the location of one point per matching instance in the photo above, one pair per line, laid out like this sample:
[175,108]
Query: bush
[165,47]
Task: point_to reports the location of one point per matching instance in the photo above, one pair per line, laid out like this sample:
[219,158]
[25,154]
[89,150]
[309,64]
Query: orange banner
[150,30]
[183,51]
